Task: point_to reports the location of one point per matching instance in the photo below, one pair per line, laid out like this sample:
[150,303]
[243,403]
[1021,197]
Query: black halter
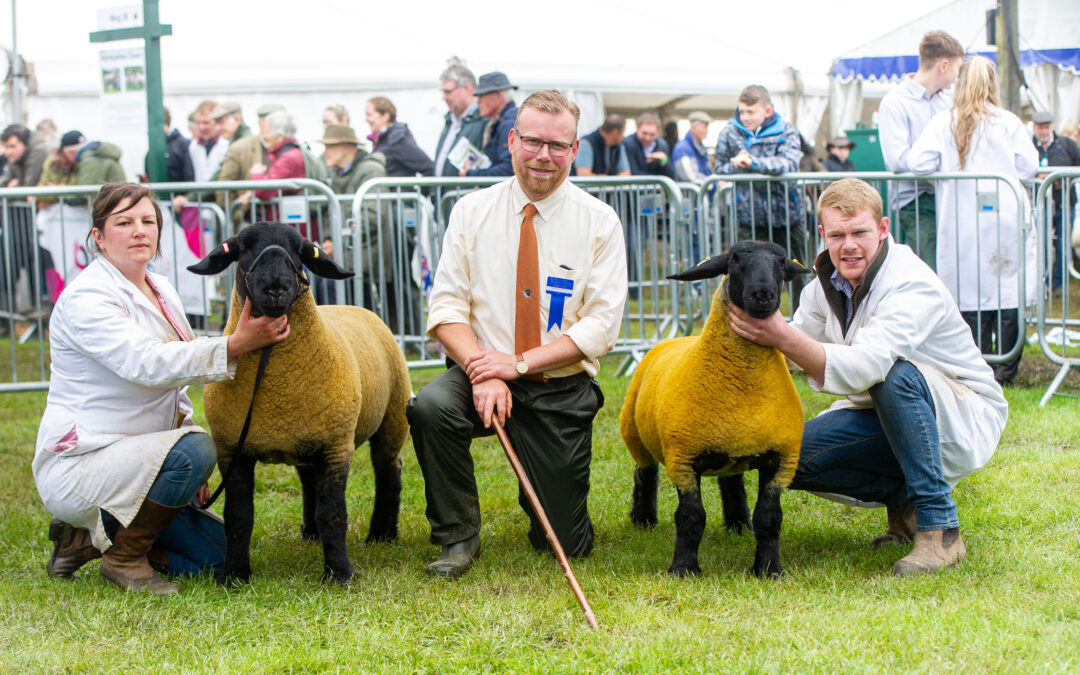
[301,279]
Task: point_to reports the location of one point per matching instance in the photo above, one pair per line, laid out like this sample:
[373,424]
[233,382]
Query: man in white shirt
[922,408]
[525,337]
[902,115]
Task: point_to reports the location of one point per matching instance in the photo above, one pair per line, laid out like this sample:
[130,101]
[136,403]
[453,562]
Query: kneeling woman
[118,456]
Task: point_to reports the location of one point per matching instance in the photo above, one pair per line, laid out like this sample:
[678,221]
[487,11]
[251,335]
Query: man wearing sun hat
[495,101]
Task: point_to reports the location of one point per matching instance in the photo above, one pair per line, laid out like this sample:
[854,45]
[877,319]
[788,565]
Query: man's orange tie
[527,307]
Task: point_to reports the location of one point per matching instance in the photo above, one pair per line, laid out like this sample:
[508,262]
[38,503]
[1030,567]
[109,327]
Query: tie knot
[530,210]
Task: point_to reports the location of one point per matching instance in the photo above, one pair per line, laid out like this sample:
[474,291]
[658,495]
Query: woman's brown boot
[125,564]
[72,549]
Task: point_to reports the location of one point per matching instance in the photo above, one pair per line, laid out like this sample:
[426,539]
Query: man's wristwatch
[522,367]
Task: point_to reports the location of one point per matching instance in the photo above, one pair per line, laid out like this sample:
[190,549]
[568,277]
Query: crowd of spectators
[473,143]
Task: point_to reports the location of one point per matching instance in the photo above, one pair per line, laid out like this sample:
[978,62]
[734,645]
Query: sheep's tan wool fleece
[339,379]
[716,392]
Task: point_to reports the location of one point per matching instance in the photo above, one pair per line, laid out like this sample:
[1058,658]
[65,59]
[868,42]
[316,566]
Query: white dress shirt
[902,115]
[579,239]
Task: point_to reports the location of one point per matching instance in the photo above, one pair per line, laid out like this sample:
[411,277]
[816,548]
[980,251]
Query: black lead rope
[243,432]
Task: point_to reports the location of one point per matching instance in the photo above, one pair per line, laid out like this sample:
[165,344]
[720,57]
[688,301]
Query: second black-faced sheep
[338,380]
[718,404]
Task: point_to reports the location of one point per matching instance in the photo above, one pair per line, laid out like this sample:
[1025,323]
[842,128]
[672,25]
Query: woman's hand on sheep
[492,396]
[488,364]
[256,332]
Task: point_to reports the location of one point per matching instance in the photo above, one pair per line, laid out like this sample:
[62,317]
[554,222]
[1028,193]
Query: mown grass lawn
[1012,606]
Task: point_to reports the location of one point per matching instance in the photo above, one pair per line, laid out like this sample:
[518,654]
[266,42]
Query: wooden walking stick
[542,516]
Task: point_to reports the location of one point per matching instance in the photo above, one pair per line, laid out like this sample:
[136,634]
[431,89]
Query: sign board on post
[120,17]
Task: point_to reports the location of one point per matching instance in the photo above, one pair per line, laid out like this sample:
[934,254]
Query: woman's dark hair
[383,106]
[110,197]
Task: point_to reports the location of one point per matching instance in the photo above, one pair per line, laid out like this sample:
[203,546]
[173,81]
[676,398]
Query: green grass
[1012,606]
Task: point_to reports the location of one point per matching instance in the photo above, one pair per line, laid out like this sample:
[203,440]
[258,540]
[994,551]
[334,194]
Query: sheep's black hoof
[309,533]
[738,526]
[769,569]
[232,579]
[682,571]
[342,579]
[375,537]
[643,520]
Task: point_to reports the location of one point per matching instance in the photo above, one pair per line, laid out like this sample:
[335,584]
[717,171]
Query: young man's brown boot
[901,528]
[933,551]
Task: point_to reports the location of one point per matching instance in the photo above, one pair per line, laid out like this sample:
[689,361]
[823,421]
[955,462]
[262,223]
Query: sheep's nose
[276,294]
[763,296]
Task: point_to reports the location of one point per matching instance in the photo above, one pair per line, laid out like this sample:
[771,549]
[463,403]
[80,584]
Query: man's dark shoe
[71,549]
[456,559]
[901,526]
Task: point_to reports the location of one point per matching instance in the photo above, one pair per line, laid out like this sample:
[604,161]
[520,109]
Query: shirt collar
[841,284]
[546,207]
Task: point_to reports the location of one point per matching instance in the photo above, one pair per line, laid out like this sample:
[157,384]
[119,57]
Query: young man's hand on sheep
[774,331]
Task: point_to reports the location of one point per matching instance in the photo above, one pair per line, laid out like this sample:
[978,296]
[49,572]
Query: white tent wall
[1049,26]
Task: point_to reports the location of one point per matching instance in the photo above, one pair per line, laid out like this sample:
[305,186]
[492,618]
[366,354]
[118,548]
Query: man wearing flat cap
[690,157]
[1055,150]
[494,99]
[230,121]
[243,154]
[838,159]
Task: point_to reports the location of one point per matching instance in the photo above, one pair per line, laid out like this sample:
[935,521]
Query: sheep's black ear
[218,260]
[706,269]
[793,268]
[321,264]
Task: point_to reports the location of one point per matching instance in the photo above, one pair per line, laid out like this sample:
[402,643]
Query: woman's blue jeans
[882,454]
[194,540]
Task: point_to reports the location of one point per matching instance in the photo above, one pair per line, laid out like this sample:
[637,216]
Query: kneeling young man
[529,293]
[922,408]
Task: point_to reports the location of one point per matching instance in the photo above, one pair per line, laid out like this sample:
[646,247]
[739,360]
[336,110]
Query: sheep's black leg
[643,504]
[309,489]
[384,516]
[733,497]
[239,520]
[689,526]
[333,519]
[767,520]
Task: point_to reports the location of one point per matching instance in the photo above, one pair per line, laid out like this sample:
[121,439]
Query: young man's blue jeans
[882,454]
[194,540]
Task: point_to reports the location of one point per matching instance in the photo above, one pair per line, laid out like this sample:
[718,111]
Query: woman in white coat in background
[979,253]
[118,456]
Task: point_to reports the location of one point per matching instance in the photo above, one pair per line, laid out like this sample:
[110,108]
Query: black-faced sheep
[721,405]
[338,380]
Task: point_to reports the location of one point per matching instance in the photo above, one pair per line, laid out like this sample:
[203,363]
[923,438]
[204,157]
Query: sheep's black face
[756,277]
[270,269]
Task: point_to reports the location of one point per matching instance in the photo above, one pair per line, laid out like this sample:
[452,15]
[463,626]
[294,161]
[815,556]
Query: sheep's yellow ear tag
[705,260]
[316,256]
[796,261]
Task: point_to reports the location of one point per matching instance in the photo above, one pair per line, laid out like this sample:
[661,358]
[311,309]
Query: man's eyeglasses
[555,148]
[451,90]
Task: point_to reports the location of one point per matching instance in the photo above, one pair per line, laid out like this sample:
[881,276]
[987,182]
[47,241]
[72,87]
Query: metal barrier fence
[984,248]
[398,226]
[1056,327]
[390,234]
